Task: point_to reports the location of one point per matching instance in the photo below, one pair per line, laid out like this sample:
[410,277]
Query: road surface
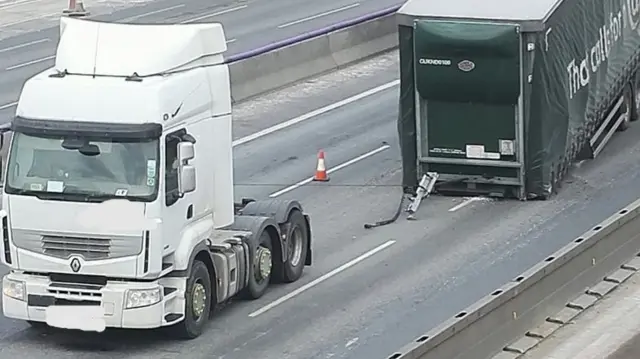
[248,25]
[369,291]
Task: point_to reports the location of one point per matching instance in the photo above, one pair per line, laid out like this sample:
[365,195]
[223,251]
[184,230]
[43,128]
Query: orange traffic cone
[76,8]
[321,169]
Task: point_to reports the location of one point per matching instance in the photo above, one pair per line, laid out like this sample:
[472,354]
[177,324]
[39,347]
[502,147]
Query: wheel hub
[198,299]
[263,259]
[295,247]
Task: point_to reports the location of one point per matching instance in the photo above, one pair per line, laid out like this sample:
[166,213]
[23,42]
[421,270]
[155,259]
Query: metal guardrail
[486,327]
[309,35]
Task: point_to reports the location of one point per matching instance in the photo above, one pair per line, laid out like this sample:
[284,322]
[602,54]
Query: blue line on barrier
[306,36]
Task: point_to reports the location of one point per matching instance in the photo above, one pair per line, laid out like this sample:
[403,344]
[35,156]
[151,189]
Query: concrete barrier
[484,329]
[289,61]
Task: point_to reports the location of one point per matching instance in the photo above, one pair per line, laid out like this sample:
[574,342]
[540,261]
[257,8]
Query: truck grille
[88,248]
[86,245]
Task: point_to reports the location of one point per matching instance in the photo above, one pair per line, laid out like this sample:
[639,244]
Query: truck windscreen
[82,168]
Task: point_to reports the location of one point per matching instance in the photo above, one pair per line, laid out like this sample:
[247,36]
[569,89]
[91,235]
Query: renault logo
[75,265]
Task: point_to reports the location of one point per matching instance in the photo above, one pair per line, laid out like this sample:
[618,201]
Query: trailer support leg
[425,187]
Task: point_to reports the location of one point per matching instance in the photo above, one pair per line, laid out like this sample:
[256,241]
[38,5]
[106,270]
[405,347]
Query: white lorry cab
[118,201]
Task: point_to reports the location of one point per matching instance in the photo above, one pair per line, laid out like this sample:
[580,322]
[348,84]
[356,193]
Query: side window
[171,168]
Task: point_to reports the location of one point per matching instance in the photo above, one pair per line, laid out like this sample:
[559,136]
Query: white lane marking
[16,3]
[215,14]
[314,113]
[29,19]
[465,203]
[9,105]
[331,170]
[313,17]
[36,61]
[317,281]
[280,126]
[351,342]
[11,48]
[152,13]
[32,62]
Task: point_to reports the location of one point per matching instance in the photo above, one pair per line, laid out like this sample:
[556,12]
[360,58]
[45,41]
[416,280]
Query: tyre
[298,244]
[635,114]
[260,269]
[197,302]
[39,326]
[627,109]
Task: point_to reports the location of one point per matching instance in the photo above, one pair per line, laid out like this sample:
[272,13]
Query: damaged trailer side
[502,103]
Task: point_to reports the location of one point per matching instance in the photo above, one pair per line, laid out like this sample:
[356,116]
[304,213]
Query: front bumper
[70,306]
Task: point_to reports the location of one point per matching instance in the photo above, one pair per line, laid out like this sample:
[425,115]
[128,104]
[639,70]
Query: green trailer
[500,97]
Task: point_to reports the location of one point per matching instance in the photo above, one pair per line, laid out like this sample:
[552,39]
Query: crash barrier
[285,62]
[484,329]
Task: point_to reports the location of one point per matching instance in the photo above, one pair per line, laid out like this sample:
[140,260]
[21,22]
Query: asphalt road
[369,291]
[630,350]
[248,25]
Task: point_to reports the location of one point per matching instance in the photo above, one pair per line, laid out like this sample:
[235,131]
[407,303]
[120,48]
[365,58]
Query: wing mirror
[187,172]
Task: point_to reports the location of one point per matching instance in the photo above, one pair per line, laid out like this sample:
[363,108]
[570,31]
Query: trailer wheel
[635,115]
[260,270]
[197,302]
[627,109]
[297,243]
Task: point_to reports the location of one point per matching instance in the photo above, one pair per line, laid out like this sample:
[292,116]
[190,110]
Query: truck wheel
[39,326]
[298,243]
[197,302]
[260,268]
[627,109]
[635,114]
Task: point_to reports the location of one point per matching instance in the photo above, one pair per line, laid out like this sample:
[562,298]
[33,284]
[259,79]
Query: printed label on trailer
[507,147]
[478,152]
[435,62]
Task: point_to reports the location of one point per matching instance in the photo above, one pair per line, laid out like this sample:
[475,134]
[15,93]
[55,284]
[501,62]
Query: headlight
[137,298]
[14,289]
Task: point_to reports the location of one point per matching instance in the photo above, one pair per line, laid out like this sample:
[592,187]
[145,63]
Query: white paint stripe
[9,105]
[17,3]
[32,62]
[29,19]
[215,14]
[317,281]
[319,15]
[297,120]
[314,113]
[11,48]
[152,13]
[331,170]
[465,203]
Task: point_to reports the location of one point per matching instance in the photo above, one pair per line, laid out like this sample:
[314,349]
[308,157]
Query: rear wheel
[197,302]
[261,268]
[298,244]
[627,108]
[635,114]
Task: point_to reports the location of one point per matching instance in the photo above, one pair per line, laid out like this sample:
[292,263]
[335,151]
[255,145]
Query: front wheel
[197,302]
[39,326]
